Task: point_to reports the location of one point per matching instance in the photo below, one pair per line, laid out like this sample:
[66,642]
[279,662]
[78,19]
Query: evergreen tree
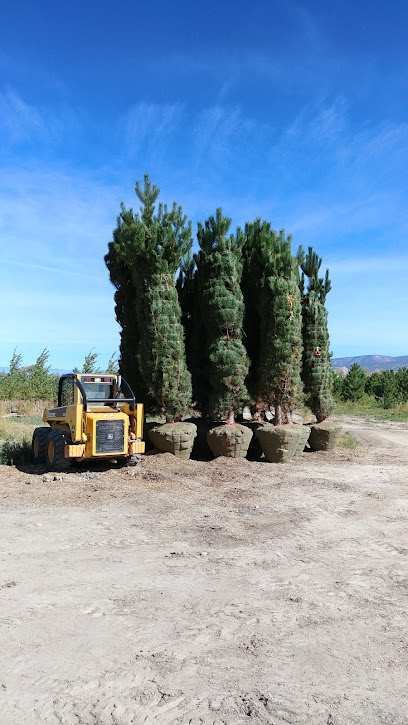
[185,286]
[281,327]
[316,365]
[198,352]
[384,386]
[354,383]
[152,245]
[390,389]
[257,236]
[126,311]
[219,273]
[337,385]
[402,382]
[373,384]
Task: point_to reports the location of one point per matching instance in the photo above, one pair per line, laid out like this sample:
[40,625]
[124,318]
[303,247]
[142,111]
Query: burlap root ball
[279,443]
[229,440]
[176,438]
[323,436]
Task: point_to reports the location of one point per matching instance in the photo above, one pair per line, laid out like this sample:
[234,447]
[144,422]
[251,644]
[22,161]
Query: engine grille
[110,436]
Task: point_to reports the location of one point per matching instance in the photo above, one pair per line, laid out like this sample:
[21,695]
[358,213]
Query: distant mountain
[373,363]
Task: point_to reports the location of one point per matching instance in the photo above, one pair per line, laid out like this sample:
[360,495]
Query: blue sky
[293,111]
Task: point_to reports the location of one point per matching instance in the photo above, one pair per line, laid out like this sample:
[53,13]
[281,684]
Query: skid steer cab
[96,418]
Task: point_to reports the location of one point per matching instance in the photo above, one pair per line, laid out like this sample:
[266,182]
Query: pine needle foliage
[219,264]
[354,383]
[198,353]
[316,365]
[185,286]
[257,235]
[151,245]
[281,328]
[125,307]
[273,320]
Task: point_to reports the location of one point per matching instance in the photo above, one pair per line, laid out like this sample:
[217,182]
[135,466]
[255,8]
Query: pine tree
[198,352]
[354,383]
[219,264]
[257,235]
[316,365]
[279,382]
[390,392]
[185,286]
[385,387]
[402,382]
[126,311]
[151,245]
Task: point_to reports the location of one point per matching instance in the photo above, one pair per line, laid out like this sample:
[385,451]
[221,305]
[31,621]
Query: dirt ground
[224,591]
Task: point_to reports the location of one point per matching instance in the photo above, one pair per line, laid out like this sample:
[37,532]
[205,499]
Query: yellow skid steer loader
[96,418]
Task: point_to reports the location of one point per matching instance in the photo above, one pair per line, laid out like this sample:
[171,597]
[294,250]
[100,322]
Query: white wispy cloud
[147,126]
[221,133]
[21,122]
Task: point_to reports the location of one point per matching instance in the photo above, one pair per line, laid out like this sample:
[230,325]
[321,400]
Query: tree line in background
[388,387]
[36,382]
[244,323]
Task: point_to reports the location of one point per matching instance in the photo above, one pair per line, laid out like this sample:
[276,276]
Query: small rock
[27,483]
[48,478]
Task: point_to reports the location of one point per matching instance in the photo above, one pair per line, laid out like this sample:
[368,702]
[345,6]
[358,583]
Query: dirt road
[212,592]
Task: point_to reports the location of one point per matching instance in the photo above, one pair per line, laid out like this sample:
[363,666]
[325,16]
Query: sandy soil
[226,591]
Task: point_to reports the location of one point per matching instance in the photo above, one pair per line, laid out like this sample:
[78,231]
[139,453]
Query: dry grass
[369,406]
[15,439]
[24,407]
[18,428]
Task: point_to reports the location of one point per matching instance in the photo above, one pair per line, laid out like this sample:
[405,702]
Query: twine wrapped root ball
[323,436]
[175,438]
[280,443]
[229,440]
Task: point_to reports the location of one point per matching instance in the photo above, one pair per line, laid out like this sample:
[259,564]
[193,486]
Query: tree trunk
[278,412]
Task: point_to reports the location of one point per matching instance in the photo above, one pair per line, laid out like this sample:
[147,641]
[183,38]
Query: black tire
[54,455]
[39,445]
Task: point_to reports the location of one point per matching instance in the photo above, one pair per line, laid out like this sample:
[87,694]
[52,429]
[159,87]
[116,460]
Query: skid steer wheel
[54,454]
[39,445]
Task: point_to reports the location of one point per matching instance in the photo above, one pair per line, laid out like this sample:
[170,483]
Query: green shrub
[15,453]
[348,440]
